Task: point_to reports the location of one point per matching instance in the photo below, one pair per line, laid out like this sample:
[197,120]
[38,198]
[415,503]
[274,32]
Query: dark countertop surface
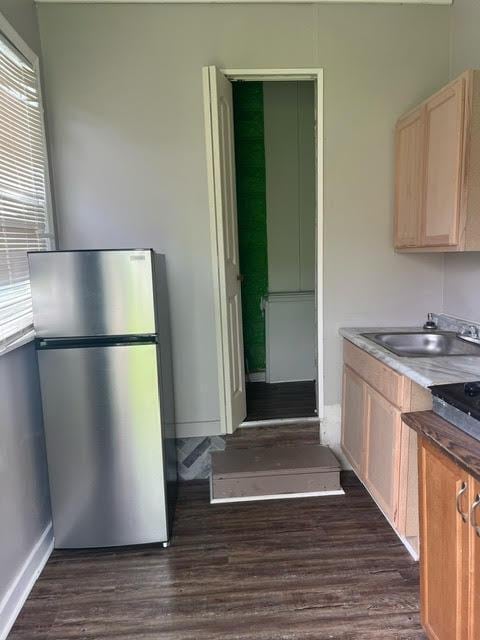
[457,445]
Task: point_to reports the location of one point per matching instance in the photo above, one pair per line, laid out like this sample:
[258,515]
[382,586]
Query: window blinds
[24,221]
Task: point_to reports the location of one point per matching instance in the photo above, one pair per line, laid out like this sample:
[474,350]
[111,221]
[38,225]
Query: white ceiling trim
[443,2]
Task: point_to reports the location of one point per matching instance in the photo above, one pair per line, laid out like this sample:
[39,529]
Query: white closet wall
[290,185]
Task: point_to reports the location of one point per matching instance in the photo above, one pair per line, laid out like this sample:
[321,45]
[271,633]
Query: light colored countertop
[424,371]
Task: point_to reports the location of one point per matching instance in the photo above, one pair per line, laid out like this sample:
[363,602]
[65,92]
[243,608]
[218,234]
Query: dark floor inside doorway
[273,401]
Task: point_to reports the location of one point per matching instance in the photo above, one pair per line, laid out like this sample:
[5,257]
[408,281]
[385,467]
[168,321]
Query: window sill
[19,342]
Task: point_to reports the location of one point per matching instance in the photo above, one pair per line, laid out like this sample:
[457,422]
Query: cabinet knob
[473,515]
[464,514]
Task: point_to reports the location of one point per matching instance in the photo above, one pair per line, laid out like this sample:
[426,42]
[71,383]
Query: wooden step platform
[276,472]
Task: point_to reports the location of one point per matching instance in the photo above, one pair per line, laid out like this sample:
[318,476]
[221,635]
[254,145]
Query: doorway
[274,136]
[264,143]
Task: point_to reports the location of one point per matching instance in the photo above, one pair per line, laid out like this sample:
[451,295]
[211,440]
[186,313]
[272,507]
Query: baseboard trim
[279,422]
[256,376]
[278,496]
[331,433]
[409,547]
[13,601]
[270,381]
[198,429]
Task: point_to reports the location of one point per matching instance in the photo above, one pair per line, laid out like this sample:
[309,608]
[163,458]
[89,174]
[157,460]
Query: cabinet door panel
[382,446]
[443,545]
[353,418]
[409,170]
[444,146]
[474,564]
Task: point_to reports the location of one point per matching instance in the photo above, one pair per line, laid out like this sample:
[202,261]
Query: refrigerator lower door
[105,453]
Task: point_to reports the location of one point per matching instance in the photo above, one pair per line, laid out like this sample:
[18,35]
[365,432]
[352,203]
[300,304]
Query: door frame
[263,75]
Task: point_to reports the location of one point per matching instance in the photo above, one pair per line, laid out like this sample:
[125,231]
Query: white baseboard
[411,550]
[281,381]
[13,601]
[280,422]
[256,376]
[278,496]
[197,429]
[331,432]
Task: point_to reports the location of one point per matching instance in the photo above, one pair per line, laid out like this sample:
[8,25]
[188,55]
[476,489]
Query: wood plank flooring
[280,400]
[272,436]
[307,569]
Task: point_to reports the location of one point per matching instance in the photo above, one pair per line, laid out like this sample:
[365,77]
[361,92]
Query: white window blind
[24,219]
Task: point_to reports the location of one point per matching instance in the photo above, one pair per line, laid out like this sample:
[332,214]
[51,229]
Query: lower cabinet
[450,547]
[380,448]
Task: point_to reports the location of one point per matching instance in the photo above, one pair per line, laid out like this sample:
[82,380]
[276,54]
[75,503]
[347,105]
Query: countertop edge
[460,447]
[426,372]
[355,337]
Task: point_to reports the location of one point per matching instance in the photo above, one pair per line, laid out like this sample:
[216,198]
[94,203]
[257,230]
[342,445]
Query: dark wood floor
[270,401]
[307,569]
[282,435]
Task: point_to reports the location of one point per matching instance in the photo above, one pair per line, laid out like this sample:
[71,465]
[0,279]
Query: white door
[223,205]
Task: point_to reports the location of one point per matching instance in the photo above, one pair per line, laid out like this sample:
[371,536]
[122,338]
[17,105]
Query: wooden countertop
[457,445]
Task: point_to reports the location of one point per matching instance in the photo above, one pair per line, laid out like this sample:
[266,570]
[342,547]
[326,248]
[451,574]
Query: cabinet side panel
[472,170]
[409,141]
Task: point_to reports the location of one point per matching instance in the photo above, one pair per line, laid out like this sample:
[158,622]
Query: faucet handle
[430,323]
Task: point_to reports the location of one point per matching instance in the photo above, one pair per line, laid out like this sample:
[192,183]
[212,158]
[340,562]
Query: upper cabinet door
[444,133]
[410,145]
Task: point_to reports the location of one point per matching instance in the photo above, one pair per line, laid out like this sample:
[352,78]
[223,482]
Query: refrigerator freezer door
[92,293]
[104,445]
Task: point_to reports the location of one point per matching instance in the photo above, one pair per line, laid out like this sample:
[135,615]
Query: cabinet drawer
[389,383]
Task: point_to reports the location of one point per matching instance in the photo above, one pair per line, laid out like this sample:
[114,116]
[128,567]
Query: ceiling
[444,2]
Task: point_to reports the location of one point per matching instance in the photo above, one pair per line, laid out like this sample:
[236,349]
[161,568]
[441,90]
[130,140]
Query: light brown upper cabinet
[437,181]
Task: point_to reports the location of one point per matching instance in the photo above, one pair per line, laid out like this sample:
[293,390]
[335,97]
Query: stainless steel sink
[424,344]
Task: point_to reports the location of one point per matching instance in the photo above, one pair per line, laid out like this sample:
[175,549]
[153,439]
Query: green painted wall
[252,215]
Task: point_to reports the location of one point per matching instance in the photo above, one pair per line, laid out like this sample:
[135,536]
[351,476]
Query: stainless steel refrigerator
[103,343]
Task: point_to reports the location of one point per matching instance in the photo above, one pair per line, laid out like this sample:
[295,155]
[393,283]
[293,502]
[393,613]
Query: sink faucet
[470,334]
[430,323]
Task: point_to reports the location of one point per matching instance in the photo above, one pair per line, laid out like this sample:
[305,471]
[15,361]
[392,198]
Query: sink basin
[424,344]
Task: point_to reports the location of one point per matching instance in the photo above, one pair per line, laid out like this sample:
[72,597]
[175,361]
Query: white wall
[123,84]
[462,271]
[25,519]
[22,15]
[289,122]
